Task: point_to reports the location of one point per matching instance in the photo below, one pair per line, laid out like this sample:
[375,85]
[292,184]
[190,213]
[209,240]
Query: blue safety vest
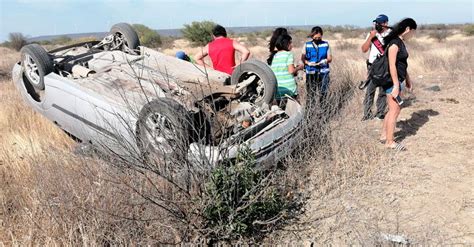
[316,53]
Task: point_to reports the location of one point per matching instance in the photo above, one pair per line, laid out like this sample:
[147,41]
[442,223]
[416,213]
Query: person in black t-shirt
[397,60]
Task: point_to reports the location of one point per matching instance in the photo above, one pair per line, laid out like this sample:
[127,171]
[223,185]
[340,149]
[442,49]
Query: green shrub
[241,200]
[199,33]
[469,30]
[17,41]
[148,37]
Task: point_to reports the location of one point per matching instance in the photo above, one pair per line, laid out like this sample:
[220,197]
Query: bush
[241,199]
[148,37]
[439,35]
[469,30]
[17,41]
[199,33]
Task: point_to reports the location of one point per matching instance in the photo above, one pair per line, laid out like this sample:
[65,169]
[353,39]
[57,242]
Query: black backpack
[380,72]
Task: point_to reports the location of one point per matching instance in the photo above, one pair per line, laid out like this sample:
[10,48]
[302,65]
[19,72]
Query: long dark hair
[400,28]
[282,43]
[276,33]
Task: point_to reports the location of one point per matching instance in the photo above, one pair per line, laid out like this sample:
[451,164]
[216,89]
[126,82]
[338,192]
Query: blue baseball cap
[181,55]
[381,18]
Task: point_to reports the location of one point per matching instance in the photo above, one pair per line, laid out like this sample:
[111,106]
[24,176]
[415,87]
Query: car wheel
[264,86]
[164,131]
[125,33]
[36,64]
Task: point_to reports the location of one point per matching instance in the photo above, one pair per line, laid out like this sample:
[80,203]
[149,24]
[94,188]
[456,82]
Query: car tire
[36,64]
[163,131]
[264,72]
[129,34]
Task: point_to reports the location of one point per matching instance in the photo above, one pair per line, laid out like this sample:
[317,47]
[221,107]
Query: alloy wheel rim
[159,133]
[31,69]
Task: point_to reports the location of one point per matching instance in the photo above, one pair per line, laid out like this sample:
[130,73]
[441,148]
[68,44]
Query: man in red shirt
[221,50]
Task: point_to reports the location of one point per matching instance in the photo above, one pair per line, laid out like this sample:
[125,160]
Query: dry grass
[49,196]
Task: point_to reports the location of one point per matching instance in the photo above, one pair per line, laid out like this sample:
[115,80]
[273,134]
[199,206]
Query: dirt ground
[424,195]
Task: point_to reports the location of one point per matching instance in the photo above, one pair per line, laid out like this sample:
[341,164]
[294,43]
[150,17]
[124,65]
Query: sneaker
[363,84]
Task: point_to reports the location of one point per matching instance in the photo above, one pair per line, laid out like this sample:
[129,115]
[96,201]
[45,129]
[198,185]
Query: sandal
[397,146]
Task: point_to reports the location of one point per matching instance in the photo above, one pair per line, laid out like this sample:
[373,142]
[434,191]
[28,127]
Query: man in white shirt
[374,44]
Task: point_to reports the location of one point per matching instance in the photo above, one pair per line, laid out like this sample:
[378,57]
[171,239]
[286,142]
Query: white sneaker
[378,118]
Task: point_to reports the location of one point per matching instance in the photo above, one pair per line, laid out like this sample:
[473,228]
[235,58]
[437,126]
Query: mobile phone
[399,100]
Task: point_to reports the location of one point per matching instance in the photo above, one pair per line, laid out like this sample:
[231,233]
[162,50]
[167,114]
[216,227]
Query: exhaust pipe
[81,71]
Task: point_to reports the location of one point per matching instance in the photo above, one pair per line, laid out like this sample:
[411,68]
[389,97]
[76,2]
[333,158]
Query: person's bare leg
[393,111]
[383,134]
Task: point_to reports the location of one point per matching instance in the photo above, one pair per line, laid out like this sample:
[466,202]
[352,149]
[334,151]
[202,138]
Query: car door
[105,124]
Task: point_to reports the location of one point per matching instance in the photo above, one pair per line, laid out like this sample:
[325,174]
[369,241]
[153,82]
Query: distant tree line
[199,34]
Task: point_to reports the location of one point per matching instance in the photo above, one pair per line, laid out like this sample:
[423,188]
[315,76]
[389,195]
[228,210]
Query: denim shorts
[389,90]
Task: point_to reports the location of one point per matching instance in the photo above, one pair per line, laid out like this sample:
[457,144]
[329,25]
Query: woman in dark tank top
[398,65]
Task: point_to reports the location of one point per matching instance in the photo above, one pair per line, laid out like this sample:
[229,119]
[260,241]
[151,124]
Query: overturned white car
[132,100]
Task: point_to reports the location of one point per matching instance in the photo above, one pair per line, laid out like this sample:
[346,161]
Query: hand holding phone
[398,99]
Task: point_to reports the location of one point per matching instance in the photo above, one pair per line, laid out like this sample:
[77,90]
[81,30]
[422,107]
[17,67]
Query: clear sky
[48,17]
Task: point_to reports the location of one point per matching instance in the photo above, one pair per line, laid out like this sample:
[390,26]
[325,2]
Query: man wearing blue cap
[374,44]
